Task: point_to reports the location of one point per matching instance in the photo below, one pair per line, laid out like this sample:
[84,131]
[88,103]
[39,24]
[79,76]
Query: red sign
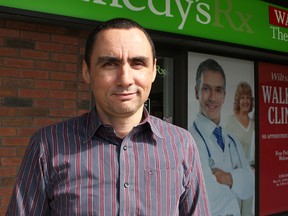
[278,17]
[273,138]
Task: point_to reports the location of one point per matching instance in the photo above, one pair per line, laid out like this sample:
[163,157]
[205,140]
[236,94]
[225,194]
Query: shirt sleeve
[29,196]
[195,200]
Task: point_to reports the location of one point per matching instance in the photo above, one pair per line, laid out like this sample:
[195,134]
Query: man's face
[211,95]
[121,72]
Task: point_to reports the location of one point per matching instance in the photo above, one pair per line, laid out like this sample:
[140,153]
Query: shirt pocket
[164,188]
[167,179]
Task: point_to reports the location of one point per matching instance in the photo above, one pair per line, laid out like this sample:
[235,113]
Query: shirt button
[125,148]
[126,185]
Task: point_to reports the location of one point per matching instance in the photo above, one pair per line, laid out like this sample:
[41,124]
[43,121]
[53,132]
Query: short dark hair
[209,65]
[116,23]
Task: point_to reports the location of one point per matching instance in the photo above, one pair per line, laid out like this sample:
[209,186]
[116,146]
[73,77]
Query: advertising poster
[273,138]
[226,108]
[236,70]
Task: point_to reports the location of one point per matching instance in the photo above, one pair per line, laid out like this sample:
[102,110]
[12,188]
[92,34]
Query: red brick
[33,93]
[82,51]
[41,122]
[50,47]
[36,36]
[18,63]
[8,92]
[49,84]
[34,74]
[65,39]
[10,161]
[10,52]
[80,112]
[63,76]
[71,67]
[17,122]
[2,211]
[27,131]
[71,49]
[2,22]
[34,54]
[71,86]
[49,65]
[21,151]
[7,152]
[15,141]
[8,72]
[62,94]
[63,57]
[5,200]
[7,131]
[8,111]
[63,113]
[84,95]
[52,29]
[83,86]
[11,33]
[28,111]
[5,172]
[70,104]
[21,25]
[16,82]
[49,104]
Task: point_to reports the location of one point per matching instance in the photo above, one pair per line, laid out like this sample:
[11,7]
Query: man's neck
[122,125]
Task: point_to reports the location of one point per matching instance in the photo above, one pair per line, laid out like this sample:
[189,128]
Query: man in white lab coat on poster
[227,173]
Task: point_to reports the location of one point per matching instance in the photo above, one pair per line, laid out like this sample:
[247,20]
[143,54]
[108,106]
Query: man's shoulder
[164,127]
[67,124]
[165,123]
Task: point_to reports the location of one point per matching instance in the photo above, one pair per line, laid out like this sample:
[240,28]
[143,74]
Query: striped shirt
[80,167]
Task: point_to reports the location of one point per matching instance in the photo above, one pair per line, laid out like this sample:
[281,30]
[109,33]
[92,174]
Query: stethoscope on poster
[210,158]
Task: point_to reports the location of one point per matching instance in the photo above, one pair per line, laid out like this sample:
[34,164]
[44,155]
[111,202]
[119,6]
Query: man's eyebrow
[107,58]
[140,58]
[101,59]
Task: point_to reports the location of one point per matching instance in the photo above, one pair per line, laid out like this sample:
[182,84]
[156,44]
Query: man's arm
[223,177]
[29,195]
[195,199]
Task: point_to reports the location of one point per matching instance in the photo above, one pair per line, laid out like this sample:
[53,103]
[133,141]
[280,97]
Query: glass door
[160,102]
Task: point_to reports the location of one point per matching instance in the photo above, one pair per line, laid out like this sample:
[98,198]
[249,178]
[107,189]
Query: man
[117,159]
[226,172]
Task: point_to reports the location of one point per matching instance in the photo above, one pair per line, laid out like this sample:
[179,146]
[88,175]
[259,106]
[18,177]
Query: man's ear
[85,72]
[196,92]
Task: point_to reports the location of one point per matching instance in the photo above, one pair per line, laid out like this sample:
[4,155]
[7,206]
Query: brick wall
[40,84]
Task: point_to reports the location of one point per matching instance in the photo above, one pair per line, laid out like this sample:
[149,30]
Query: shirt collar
[148,119]
[93,124]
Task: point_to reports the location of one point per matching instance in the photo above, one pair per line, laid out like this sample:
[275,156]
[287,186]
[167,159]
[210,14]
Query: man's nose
[125,75]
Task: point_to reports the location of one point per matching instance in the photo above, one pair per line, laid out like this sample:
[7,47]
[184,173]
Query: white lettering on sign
[202,14]
[278,34]
[282,17]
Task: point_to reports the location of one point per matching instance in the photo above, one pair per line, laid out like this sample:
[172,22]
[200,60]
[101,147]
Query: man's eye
[205,88]
[110,64]
[137,64]
[219,90]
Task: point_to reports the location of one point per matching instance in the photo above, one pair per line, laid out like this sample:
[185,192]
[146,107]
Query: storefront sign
[273,138]
[223,20]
